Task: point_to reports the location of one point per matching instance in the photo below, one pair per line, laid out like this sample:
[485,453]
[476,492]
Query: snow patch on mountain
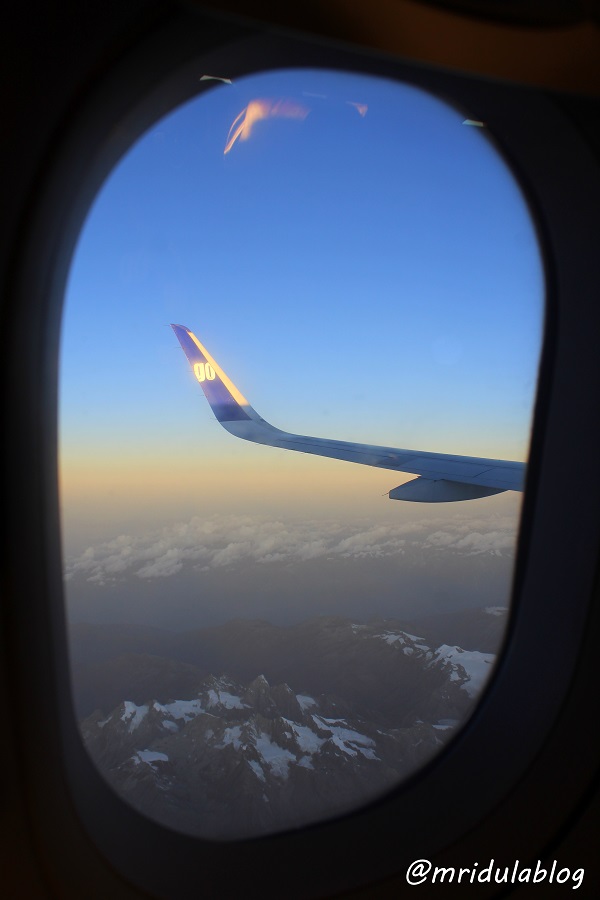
[133,714]
[391,637]
[476,666]
[346,739]
[224,698]
[307,740]
[276,757]
[232,736]
[305,701]
[257,769]
[149,757]
[180,709]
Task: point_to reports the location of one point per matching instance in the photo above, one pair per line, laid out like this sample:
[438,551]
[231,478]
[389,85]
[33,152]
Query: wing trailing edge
[442,477]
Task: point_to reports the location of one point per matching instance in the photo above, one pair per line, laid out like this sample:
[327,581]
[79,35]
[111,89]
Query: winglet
[227,403]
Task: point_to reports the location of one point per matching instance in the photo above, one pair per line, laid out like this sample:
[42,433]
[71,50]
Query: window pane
[260,638]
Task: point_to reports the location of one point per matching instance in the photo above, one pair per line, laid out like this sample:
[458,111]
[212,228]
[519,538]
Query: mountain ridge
[344,713]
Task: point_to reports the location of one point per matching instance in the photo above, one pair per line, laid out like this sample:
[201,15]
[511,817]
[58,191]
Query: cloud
[496,534]
[493,542]
[221,541]
[374,542]
[440,539]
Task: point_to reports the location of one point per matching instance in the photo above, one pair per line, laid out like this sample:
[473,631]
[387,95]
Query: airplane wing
[441,477]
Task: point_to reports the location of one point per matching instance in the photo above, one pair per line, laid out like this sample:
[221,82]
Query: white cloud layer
[219,541]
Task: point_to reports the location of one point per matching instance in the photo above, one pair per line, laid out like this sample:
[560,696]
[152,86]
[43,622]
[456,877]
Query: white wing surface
[442,477]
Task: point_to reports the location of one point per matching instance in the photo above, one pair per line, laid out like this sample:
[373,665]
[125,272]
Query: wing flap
[427,490]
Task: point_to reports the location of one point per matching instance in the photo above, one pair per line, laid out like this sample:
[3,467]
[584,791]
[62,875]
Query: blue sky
[363,266]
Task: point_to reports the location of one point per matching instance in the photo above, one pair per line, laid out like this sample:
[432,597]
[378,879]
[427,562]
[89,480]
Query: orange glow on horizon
[256,111]
[195,480]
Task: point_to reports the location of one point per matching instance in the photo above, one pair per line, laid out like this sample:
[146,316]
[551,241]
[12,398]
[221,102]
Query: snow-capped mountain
[234,758]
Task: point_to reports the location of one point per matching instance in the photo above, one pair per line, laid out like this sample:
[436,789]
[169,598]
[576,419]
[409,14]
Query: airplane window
[259,638]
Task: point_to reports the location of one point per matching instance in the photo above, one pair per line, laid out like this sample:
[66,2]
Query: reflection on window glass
[261,638]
